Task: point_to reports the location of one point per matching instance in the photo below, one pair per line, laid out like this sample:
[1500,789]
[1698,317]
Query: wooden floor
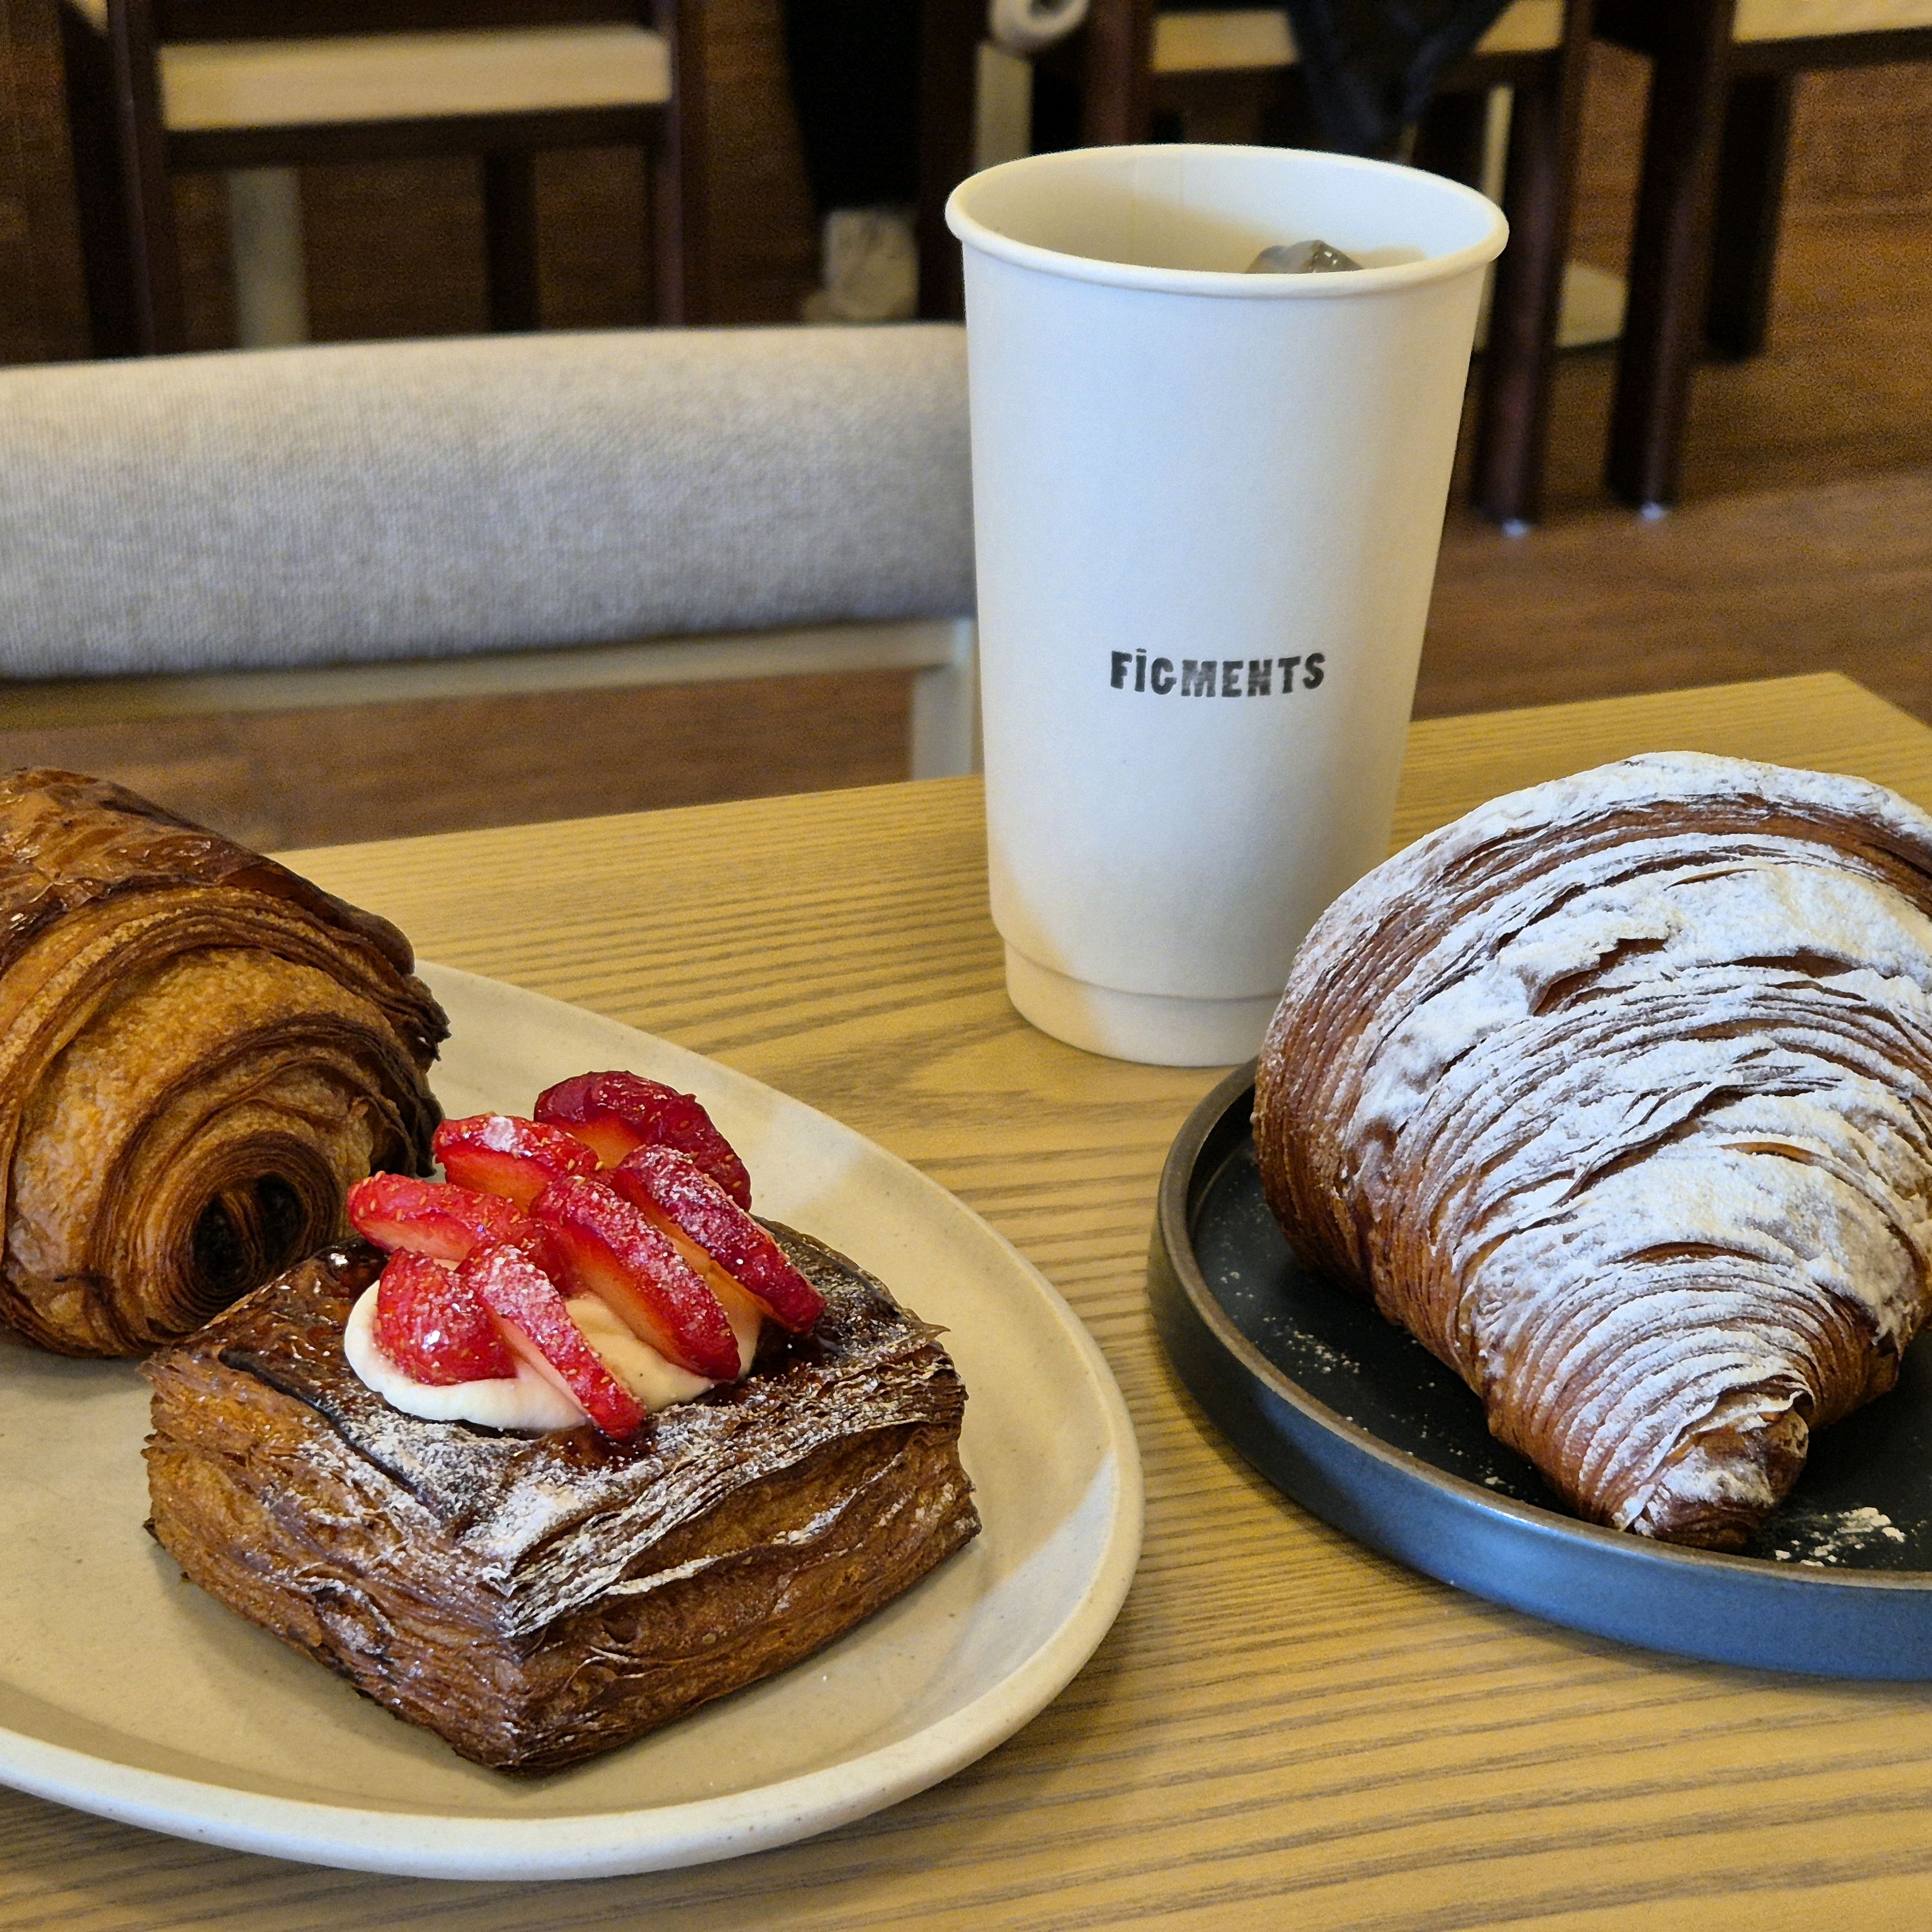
[1805,542]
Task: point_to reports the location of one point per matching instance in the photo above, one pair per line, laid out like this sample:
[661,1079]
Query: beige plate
[125,1691]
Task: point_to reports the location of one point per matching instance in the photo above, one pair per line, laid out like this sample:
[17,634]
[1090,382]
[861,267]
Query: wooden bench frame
[940,653]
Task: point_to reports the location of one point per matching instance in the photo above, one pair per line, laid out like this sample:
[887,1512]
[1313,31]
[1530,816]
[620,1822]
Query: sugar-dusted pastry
[1617,1094]
[199,1053]
[546,1480]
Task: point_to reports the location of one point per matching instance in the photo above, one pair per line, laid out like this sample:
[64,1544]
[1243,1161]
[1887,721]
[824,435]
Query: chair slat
[207,86]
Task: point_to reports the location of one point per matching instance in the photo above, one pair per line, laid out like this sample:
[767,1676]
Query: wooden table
[1283,1729]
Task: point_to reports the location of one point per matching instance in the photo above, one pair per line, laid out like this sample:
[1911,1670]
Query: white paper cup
[1207,506]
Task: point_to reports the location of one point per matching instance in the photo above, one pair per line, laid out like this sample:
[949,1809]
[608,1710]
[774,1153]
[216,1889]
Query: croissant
[200,1051]
[1617,1094]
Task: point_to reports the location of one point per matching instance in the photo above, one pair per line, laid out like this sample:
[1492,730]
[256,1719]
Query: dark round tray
[1357,1421]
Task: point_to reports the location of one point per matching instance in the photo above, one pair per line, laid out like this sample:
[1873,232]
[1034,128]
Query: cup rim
[975,233]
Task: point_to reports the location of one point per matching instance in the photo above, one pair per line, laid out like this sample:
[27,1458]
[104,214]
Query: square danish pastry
[496,1481]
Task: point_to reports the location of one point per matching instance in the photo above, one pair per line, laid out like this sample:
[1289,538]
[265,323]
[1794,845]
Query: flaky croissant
[200,1051]
[1617,1094]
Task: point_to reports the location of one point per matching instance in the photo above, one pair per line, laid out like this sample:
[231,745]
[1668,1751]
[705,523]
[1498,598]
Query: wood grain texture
[1283,1729]
[393,770]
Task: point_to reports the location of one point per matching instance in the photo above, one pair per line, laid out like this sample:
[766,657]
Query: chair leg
[99,190]
[1526,298]
[510,241]
[130,255]
[678,174]
[1117,72]
[1750,199]
[1670,248]
[950,31]
[270,270]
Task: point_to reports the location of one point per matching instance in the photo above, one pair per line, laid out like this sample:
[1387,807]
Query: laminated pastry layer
[536,1600]
[1618,1093]
[199,1052]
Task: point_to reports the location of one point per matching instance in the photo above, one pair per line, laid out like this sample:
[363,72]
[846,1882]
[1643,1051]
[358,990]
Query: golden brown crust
[536,1600]
[199,1052]
[1617,1094]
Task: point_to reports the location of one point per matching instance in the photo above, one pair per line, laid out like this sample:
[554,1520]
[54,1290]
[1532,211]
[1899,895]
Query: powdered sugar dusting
[1627,1109]
[1818,1540]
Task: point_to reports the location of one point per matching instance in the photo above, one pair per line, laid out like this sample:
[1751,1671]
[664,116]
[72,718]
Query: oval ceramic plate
[126,1691]
[1355,1419]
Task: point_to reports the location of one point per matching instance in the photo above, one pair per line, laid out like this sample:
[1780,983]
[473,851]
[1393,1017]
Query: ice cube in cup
[1301,258]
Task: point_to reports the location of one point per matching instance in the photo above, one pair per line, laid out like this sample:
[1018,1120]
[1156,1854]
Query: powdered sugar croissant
[1617,1094]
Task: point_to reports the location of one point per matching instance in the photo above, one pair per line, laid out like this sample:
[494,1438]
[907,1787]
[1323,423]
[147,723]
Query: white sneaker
[870,268]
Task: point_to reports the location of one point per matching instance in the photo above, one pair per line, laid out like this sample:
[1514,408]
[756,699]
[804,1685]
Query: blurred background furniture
[158,87]
[1804,541]
[325,526]
[1704,247]
[1232,75]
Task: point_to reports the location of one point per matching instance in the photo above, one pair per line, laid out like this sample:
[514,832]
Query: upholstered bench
[312,525]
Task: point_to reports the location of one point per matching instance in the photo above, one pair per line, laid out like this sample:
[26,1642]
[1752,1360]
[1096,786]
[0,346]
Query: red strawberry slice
[521,1294]
[662,1182]
[431,1325]
[433,1218]
[605,1247]
[502,1153]
[612,1113]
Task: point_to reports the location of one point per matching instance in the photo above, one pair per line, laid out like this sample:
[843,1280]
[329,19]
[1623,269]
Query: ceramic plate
[126,1691]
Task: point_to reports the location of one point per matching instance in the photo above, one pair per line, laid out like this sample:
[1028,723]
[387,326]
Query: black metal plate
[1356,1420]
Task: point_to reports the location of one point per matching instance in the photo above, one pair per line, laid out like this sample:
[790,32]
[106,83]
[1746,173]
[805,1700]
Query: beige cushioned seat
[406,76]
[328,81]
[1249,37]
[1804,19]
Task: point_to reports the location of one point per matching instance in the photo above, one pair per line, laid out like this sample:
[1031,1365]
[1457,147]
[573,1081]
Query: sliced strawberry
[431,1325]
[605,1247]
[662,1182]
[516,1290]
[612,1113]
[433,1218]
[501,1153]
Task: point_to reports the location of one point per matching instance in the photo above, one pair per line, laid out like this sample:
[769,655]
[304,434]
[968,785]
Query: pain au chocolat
[1617,1094]
[536,1600]
[200,1051]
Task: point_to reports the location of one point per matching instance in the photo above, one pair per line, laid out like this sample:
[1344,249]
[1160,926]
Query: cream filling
[533,1401]
[527,1400]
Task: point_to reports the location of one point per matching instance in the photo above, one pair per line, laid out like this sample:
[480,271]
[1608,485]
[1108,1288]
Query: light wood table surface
[1283,1729]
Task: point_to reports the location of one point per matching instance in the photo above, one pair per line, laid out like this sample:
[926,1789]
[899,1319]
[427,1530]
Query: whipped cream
[535,1400]
[527,1400]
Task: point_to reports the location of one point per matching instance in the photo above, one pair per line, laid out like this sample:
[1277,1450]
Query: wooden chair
[1704,243]
[1134,62]
[158,87]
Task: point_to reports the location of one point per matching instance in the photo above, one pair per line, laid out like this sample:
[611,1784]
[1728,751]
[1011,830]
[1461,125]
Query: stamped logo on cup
[1215,677]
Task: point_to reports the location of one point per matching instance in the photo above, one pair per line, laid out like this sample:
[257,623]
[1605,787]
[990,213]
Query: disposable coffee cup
[1207,506]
